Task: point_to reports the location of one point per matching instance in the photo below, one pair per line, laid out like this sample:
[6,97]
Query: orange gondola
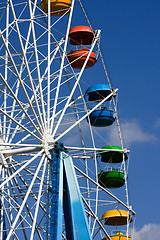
[78,57]
[81,35]
[58,7]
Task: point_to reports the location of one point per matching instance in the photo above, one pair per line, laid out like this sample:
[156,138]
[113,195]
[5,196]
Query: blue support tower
[56,192]
[66,199]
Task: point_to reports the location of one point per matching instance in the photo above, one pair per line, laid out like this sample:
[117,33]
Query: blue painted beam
[66,198]
[77,206]
[68,212]
[56,193]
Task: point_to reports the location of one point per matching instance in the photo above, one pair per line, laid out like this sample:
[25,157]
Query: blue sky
[130,42]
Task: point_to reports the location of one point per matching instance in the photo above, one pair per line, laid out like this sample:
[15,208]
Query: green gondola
[111,179]
[113,156]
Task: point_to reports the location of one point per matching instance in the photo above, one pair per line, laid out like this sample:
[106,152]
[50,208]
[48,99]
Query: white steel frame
[42,101]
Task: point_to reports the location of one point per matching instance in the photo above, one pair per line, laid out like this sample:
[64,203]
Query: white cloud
[157,123]
[148,232]
[132,132]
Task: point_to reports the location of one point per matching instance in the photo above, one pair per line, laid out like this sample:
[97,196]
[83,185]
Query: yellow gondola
[58,7]
[118,236]
[116,217]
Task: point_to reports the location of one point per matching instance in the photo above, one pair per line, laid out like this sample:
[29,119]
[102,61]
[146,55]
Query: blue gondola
[98,91]
[101,118]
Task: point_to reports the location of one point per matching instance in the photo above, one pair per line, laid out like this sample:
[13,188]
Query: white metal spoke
[14,65]
[23,180]
[18,102]
[105,190]
[14,120]
[86,115]
[37,60]
[26,205]
[75,85]
[25,199]
[27,66]
[62,63]
[14,201]
[21,70]
[20,169]
[38,200]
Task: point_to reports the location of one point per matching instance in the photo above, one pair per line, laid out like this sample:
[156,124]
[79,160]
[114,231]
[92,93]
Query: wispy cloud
[132,132]
[157,123]
[148,232]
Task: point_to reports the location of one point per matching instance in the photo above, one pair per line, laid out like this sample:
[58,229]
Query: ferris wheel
[60,177]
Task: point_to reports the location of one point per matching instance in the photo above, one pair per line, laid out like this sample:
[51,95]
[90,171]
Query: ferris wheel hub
[48,142]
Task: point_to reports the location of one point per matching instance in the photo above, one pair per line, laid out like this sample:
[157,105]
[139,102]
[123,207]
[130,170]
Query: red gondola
[81,35]
[78,57]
